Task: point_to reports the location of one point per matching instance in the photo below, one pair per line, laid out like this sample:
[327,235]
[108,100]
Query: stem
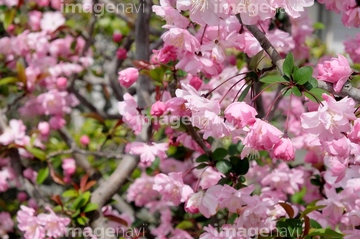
[207,94]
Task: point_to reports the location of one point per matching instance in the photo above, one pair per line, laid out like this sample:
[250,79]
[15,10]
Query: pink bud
[157,109]
[44,128]
[11,28]
[30,174]
[284,149]
[56,122]
[22,196]
[128,76]
[196,82]
[117,37]
[69,166]
[61,82]
[121,54]
[84,140]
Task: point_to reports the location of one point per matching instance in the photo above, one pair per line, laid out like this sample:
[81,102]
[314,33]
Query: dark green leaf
[219,154]
[224,166]
[315,94]
[244,93]
[202,158]
[202,165]
[255,60]
[295,90]
[241,166]
[288,65]
[302,75]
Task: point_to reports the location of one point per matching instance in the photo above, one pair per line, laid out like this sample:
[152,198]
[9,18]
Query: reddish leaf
[89,185]
[56,177]
[117,219]
[56,198]
[307,226]
[83,182]
[75,186]
[288,208]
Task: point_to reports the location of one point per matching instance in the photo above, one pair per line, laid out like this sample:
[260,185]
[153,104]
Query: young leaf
[90,207]
[42,175]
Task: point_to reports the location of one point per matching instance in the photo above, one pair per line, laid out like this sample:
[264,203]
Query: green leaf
[8,80]
[202,158]
[233,149]
[42,175]
[318,26]
[219,154]
[185,225]
[240,166]
[255,60]
[310,209]
[324,232]
[82,220]
[224,181]
[157,74]
[86,197]
[315,94]
[38,153]
[273,79]
[244,93]
[202,165]
[295,90]
[70,193]
[314,224]
[224,166]
[9,17]
[302,75]
[90,207]
[288,65]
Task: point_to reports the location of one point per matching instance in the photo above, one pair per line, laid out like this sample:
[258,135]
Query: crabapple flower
[69,166]
[181,39]
[262,136]
[166,54]
[14,133]
[51,21]
[54,225]
[84,140]
[141,192]
[128,76]
[240,114]
[352,48]
[172,187]
[121,54]
[336,71]
[131,116]
[147,152]
[331,119]
[204,202]
[158,109]
[233,199]
[195,82]
[284,149]
[6,224]
[44,128]
[29,223]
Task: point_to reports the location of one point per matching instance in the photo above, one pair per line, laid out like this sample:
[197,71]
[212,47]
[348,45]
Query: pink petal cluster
[128,76]
[172,187]
[336,71]
[131,116]
[147,152]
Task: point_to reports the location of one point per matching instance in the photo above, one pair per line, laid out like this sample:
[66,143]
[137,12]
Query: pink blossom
[21,196]
[57,122]
[193,64]
[121,53]
[195,82]
[334,206]
[351,47]
[44,128]
[141,192]
[172,16]
[262,136]
[284,149]
[61,82]
[6,174]
[166,54]
[233,199]
[84,140]
[336,71]
[131,116]
[30,174]
[331,119]
[172,187]
[240,114]
[203,202]
[14,133]
[334,5]
[351,14]
[117,37]
[6,223]
[181,39]
[158,109]
[51,21]
[147,152]
[34,20]
[68,166]
[29,223]
[54,225]
[128,76]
